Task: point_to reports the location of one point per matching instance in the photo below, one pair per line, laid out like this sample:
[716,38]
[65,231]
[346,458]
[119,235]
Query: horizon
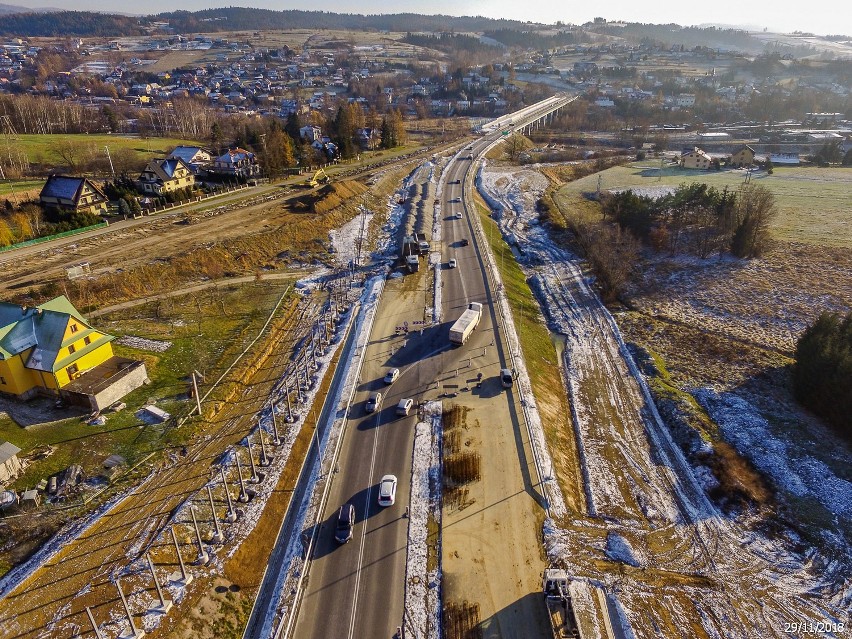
[785,16]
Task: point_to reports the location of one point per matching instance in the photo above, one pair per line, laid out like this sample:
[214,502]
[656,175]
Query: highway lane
[356,590]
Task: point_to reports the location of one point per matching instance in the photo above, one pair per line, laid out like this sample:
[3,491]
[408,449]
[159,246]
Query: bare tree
[753,213]
[514,145]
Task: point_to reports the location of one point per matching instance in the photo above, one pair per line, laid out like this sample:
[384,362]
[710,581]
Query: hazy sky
[817,16]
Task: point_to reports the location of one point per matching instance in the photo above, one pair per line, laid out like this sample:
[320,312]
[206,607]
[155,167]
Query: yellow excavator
[320,177]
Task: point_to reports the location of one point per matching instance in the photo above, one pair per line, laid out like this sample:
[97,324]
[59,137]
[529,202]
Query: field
[42,149]
[19,190]
[813,203]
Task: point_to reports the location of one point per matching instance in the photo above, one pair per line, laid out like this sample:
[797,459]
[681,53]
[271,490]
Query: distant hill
[68,23]
[241,18]
[6,9]
[509,32]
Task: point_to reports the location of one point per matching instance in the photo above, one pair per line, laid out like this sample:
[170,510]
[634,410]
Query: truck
[557,598]
[423,246]
[464,325]
[413,263]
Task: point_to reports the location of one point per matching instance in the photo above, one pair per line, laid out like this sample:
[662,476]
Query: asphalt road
[356,590]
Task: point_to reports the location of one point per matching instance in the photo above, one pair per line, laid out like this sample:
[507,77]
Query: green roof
[42,329]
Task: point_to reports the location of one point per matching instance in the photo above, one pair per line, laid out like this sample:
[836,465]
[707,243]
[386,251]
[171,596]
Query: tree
[278,154]
[514,145]
[6,236]
[822,376]
[753,212]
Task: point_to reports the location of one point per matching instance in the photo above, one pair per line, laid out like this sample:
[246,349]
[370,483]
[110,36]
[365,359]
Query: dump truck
[464,325]
[557,598]
[422,244]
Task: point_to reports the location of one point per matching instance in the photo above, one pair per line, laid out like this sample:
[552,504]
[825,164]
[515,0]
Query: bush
[822,376]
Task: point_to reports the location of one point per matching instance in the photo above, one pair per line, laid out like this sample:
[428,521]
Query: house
[51,349]
[194,157]
[368,138]
[695,159]
[236,162]
[74,194]
[744,156]
[10,465]
[165,175]
[310,133]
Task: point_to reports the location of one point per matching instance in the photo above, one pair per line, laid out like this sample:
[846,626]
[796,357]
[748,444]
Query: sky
[821,17]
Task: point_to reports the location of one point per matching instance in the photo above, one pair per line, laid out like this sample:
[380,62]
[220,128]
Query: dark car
[345,521]
[464,241]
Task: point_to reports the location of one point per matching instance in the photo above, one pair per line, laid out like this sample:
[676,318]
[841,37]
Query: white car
[452,263]
[387,490]
[373,403]
[404,406]
[392,376]
[458,215]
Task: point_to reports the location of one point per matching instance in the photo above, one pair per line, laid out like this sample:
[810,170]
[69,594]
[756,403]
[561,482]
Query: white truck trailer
[464,325]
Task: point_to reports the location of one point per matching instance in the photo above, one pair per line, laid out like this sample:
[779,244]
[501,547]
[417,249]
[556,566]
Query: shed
[30,499]
[10,465]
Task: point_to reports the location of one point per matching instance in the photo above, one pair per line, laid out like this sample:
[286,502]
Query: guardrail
[48,238]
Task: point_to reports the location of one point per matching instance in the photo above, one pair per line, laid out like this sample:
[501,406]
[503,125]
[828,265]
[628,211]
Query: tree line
[822,376]
[697,218]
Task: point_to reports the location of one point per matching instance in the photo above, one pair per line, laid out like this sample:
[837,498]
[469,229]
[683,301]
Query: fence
[48,238]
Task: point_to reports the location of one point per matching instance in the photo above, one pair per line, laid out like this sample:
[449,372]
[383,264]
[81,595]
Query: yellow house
[68,193]
[695,159]
[744,156]
[166,175]
[44,348]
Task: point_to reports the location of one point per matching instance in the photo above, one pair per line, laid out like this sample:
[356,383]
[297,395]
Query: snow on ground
[740,298]
[739,562]
[344,240]
[155,345]
[544,463]
[784,461]
[619,549]
[291,570]
[421,587]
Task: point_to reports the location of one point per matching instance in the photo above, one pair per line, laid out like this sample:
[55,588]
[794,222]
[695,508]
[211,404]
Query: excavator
[320,177]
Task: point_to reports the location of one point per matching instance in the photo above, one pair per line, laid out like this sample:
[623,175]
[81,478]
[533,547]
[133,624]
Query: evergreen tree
[822,376]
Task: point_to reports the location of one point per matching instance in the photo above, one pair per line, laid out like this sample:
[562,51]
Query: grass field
[813,203]
[15,190]
[202,337]
[41,149]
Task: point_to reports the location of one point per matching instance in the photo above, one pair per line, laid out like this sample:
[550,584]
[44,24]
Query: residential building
[195,157]
[744,156]
[164,175]
[236,162]
[51,349]
[695,159]
[74,194]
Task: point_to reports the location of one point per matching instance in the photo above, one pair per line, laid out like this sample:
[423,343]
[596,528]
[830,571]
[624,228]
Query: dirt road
[50,602]
[667,559]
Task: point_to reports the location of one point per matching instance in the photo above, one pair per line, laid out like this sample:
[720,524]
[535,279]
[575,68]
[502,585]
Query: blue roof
[185,153]
[60,186]
[169,166]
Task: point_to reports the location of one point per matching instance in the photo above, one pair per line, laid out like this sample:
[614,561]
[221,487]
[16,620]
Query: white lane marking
[364,532]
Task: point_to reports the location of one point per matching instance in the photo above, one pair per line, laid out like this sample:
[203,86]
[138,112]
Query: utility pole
[111,167]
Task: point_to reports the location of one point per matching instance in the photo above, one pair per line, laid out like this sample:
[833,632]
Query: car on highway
[452,263]
[373,402]
[404,406]
[455,200]
[387,490]
[392,376]
[464,241]
[458,215]
[506,377]
[345,522]
[455,181]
